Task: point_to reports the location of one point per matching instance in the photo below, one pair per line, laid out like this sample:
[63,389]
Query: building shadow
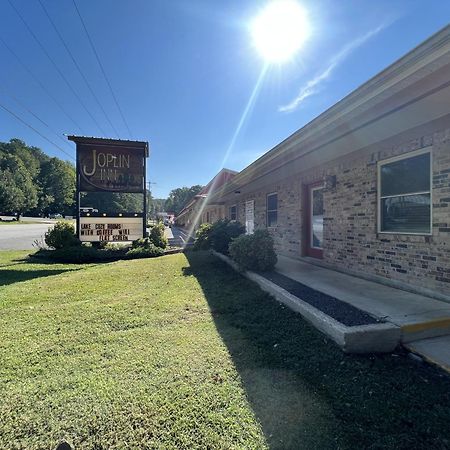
[304,391]
[11,276]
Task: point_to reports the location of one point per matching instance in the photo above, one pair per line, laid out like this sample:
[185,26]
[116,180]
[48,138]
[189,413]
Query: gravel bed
[337,309]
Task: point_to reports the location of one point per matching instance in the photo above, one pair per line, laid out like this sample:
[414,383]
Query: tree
[32,182]
[11,196]
[156,205]
[18,192]
[178,198]
[113,202]
[57,182]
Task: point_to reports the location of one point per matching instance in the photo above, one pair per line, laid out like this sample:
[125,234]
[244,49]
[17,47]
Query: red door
[314,220]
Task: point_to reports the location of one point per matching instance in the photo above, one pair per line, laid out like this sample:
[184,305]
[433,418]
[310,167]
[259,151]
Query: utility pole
[149,197]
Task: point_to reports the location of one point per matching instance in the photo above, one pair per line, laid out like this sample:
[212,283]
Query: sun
[280,30]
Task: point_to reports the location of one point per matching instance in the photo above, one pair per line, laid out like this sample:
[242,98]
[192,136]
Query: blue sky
[183,72]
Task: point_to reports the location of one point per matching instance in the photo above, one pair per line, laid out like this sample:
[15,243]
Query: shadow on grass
[304,391]
[16,276]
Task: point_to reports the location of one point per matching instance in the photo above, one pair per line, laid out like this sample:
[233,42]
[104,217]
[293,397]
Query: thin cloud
[312,86]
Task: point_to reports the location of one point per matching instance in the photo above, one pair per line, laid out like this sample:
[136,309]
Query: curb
[373,338]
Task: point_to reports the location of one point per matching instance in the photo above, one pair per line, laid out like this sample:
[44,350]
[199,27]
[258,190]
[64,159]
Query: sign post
[110,165]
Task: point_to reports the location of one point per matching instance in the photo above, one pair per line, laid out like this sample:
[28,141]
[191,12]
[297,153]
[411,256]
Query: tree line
[180,197]
[36,184]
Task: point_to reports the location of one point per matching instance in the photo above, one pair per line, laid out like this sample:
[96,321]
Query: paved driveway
[177,237]
[21,237]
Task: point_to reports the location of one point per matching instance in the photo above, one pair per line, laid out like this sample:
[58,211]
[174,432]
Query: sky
[185,74]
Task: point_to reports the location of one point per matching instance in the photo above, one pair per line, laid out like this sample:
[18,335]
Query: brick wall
[350,232]
[351,240]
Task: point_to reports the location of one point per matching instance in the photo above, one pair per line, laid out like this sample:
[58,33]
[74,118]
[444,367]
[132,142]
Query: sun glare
[280,30]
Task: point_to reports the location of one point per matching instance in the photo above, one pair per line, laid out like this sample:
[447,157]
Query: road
[22,237]
[177,237]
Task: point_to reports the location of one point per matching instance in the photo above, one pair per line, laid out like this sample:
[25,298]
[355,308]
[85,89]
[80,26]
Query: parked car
[55,216]
[88,209]
[9,217]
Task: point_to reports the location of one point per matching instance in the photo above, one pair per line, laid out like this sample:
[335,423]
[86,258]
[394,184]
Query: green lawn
[181,352]
[17,222]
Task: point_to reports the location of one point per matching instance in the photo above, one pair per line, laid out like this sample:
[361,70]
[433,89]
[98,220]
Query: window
[207,216]
[272,210]
[404,200]
[233,212]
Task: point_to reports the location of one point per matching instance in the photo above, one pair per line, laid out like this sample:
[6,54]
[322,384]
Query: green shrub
[202,237]
[254,251]
[79,254]
[223,232]
[144,248]
[115,246]
[149,251]
[99,244]
[157,236]
[89,254]
[62,235]
[144,243]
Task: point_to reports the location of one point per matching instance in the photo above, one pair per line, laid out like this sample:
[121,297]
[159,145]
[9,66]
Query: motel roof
[214,185]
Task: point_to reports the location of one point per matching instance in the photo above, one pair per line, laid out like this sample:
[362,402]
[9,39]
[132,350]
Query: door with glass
[314,221]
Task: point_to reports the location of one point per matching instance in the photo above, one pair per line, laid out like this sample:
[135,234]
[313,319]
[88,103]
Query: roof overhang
[111,142]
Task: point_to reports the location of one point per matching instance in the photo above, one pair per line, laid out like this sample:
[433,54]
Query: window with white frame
[272,210]
[404,199]
[233,212]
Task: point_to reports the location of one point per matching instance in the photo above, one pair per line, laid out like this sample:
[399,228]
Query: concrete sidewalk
[178,237]
[419,317]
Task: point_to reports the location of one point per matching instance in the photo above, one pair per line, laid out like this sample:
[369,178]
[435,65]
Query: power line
[78,67]
[23,106]
[36,131]
[36,79]
[101,67]
[56,67]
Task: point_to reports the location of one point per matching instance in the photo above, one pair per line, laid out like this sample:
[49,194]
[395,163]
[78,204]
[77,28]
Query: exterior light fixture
[120,214]
[330,181]
[104,214]
[88,214]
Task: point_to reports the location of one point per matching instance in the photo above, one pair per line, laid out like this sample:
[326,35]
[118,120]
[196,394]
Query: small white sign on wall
[110,229]
[249,216]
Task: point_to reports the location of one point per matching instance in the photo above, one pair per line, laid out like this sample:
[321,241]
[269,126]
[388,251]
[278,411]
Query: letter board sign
[110,165]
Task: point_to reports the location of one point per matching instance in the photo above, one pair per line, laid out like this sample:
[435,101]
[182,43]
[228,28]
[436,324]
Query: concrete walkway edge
[374,338]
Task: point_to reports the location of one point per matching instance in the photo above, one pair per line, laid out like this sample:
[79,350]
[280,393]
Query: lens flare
[280,30]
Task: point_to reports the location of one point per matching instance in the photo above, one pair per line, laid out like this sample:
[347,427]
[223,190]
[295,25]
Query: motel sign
[110,165]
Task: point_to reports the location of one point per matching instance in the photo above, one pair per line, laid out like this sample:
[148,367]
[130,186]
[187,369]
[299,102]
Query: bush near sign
[110,168]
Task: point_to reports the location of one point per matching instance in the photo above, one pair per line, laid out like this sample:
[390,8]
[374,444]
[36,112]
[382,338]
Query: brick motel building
[365,187]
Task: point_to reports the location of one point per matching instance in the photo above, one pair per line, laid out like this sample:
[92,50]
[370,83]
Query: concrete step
[426,329]
[434,350]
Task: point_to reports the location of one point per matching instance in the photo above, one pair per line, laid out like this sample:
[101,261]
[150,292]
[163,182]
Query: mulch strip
[337,309]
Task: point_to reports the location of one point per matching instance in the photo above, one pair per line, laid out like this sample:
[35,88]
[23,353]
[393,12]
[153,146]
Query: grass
[17,222]
[35,222]
[181,352]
